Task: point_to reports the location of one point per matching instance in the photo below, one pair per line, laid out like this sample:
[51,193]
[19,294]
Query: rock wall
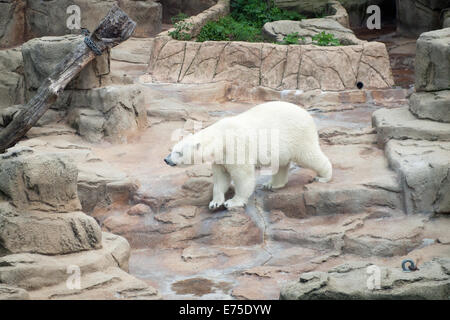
[417,16]
[329,8]
[22,20]
[417,138]
[189,7]
[96,111]
[43,234]
[12,83]
[279,67]
[220,9]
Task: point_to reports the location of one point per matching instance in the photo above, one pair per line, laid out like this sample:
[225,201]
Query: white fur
[298,142]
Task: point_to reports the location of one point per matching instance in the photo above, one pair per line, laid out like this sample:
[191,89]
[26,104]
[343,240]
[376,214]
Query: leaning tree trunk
[115,28]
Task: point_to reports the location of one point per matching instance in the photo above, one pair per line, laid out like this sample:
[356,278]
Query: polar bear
[270,133]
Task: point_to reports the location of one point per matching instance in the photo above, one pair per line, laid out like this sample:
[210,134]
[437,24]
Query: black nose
[169,162]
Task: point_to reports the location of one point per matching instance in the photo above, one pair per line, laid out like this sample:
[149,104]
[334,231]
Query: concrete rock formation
[277,30]
[433,61]
[304,67]
[42,236]
[41,55]
[417,16]
[349,281]
[23,20]
[417,138]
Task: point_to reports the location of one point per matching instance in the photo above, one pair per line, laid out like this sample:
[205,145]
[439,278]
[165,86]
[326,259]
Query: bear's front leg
[244,184]
[222,180]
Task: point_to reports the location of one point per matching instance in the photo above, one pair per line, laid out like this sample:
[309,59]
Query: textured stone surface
[47,233]
[417,16]
[431,105]
[424,168]
[113,113]
[277,30]
[375,186]
[213,10]
[401,124]
[433,61]
[304,67]
[43,54]
[189,7]
[357,10]
[103,273]
[13,293]
[349,281]
[44,182]
[12,23]
[146,13]
[12,86]
[48,18]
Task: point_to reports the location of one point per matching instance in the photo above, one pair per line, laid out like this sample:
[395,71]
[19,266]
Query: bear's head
[193,149]
[184,153]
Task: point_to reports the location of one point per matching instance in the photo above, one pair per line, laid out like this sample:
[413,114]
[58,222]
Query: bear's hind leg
[317,161]
[243,177]
[222,180]
[279,180]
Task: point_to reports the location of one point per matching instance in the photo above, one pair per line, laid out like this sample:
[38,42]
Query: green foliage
[228,29]
[325,39]
[245,21]
[181,27]
[293,38]
[258,12]
[179,17]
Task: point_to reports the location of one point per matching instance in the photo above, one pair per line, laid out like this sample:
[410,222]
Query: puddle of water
[200,287]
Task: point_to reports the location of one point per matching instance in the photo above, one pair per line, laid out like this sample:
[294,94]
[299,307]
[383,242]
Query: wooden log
[115,28]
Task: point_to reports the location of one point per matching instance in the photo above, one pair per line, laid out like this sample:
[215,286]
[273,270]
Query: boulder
[424,171]
[189,7]
[113,113]
[12,22]
[351,281]
[446,19]
[46,233]
[401,124]
[431,105]
[41,55]
[277,30]
[433,61]
[12,86]
[46,18]
[417,16]
[146,13]
[357,10]
[46,182]
[33,271]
